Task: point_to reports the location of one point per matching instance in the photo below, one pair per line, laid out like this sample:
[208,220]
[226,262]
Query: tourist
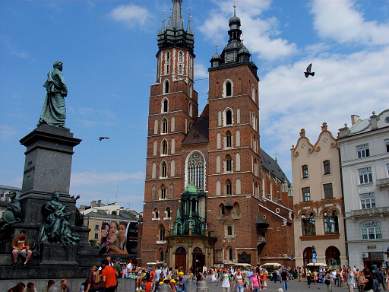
[181,282]
[368,280]
[255,282]
[109,275]
[239,281]
[94,282]
[129,267]
[328,281]
[64,286]
[350,280]
[20,247]
[51,286]
[284,278]
[225,279]
[309,278]
[31,287]
[18,288]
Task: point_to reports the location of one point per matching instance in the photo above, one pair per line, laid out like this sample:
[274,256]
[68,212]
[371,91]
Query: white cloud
[260,35]
[201,72]
[102,178]
[341,21]
[131,14]
[343,85]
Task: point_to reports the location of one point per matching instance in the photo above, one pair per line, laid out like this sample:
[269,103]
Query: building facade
[318,201]
[364,149]
[204,202]
[100,218]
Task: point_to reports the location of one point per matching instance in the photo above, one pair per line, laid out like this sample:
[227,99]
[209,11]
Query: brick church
[212,195]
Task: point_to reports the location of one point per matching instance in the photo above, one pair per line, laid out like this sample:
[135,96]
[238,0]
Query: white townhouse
[364,152]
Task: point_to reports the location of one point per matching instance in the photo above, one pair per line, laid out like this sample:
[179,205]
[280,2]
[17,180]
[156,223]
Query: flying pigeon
[309,71]
[103,138]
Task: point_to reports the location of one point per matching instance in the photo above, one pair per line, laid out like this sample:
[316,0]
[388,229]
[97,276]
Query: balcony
[383,183]
[383,211]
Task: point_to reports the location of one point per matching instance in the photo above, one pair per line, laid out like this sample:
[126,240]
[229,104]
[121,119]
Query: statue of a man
[54,111]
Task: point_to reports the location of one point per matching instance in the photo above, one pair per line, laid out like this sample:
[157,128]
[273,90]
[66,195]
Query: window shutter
[173,124]
[218,188]
[218,141]
[237,162]
[173,146]
[238,116]
[237,142]
[155,148]
[238,187]
[155,127]
[154,171]
[219,119]
[218,164]
[172,168]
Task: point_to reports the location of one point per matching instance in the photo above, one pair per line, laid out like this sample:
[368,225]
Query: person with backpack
[94,281]
[109,275]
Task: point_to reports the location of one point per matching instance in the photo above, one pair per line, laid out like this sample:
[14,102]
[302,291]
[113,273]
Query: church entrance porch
[180,259]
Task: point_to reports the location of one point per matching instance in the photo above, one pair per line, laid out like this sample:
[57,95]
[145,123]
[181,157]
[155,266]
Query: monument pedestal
[47,170]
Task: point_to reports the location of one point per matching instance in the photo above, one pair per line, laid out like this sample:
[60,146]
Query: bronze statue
[54,111]
[13,213]
[56,227]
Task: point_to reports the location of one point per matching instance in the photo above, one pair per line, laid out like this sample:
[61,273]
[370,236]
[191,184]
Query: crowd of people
[159,277]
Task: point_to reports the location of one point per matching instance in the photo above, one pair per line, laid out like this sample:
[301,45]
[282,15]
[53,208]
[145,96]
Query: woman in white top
[226,281]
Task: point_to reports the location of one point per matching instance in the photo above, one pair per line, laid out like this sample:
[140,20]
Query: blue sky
[108,48]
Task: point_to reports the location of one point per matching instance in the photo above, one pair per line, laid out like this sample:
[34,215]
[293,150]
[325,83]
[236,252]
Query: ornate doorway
[333,257]
[180,259]
[198,260]
[307,256]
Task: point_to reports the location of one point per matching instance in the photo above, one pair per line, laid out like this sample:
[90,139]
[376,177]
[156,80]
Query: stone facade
[318,201]
[364,149]
[217,152]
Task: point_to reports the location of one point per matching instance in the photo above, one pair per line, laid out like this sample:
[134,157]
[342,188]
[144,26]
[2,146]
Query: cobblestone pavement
[294,286]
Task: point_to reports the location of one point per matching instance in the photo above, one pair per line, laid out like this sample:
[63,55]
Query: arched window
[228,117]
[164,148]
[228,188]
[371,230]
[162,195]
[163,169]
[181,57]
[168,213]
[164,129]
[309,224]
[165,106]
[180,69]
[155,214]
[167,63]
[166,86]
[161,233]
[236,210]
[228,88]
[331,224]
[154,193]
[228,163]
[196,170]
[228,139]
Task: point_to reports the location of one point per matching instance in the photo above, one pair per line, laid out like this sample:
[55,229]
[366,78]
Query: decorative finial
[234,7]
[324,126]
[302,133]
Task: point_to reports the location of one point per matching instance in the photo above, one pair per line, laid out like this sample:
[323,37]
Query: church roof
[272,166]
[198,134]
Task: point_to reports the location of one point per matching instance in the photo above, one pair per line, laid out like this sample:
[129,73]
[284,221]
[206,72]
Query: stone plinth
[48,160]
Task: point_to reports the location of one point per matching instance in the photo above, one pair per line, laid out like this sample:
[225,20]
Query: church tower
[172,110]
[234,151]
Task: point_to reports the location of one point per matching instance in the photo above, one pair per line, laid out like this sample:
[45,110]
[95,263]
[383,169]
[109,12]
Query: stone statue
[54,111]
[56,227]
[13,213]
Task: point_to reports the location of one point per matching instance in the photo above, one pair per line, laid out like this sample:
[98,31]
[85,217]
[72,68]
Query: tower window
[163,193]
[227,88]
[228,139]
[163,169]
[165,105]
[168,213]
[162,233]
[228,117]
[181,57]
[228,188]
[166,86]
[155,214]
[228,163]
[164,126]
[164,146]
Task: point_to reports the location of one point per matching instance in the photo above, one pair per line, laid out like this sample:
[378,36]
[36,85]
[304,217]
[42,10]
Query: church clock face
[229,57]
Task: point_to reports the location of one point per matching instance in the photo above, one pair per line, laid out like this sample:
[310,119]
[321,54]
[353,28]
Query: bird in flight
[103,138]
[309,71]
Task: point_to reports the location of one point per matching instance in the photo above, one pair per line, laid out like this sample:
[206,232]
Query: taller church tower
[172,110]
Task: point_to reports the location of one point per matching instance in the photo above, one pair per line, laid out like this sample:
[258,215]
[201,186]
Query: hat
[181,274]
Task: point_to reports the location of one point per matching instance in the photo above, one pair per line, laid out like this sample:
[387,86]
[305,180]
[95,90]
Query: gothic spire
[177,19]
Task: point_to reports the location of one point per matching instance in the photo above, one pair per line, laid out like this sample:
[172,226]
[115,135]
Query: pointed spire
[177,20]
[234,8]
[189,30]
